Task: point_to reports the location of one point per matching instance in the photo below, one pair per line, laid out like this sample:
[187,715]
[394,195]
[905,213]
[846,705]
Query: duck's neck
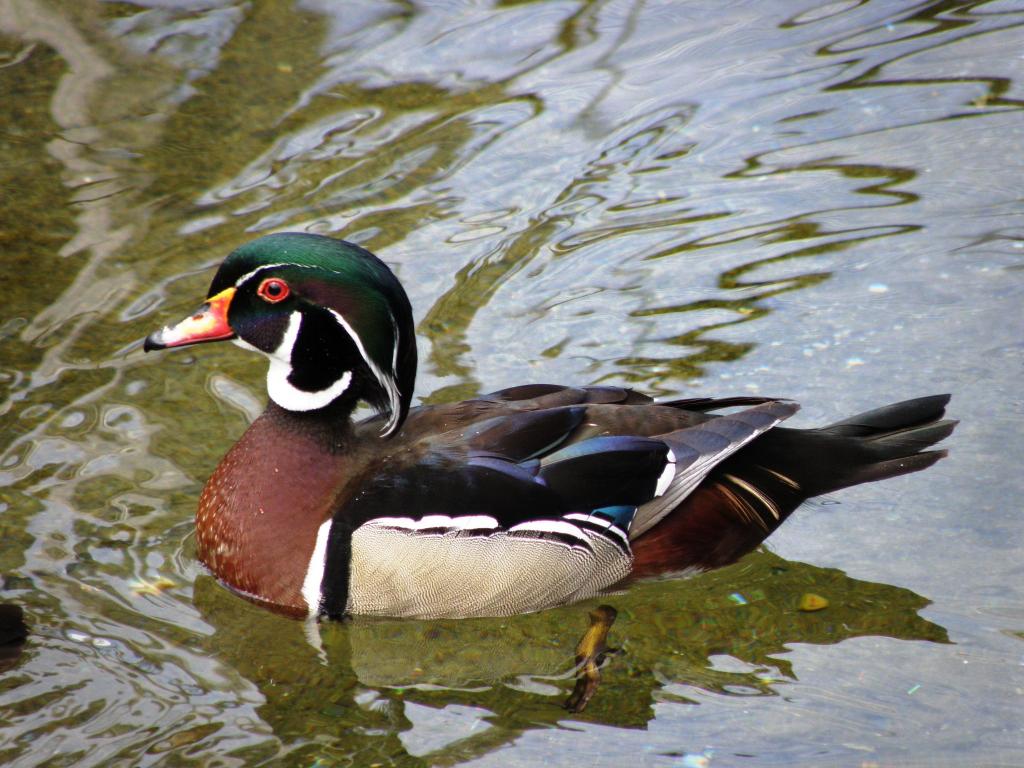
[260,511]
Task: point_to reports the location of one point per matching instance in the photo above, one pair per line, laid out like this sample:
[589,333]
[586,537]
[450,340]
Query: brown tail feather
[710,529]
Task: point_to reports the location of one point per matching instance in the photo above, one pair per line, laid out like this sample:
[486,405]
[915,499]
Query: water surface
[819,201]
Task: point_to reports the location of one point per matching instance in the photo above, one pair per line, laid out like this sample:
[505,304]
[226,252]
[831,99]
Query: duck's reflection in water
[452,689]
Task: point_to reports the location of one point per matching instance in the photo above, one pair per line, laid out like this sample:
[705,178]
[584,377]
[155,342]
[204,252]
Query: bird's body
[512,502]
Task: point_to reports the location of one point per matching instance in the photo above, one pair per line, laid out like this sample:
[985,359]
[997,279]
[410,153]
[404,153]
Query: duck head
[332,318]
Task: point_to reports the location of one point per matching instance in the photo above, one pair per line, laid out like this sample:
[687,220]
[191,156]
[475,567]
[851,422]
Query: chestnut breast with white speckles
[260,510]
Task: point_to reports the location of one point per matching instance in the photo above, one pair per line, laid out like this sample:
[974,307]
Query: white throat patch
[282,391]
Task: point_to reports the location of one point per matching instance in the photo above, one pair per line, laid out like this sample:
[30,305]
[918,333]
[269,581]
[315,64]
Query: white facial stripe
[394,349]
[315,570]
[256,271]
[666,474]
[282,391]
[386,381]
[392,424]
[291,398]
[291,335]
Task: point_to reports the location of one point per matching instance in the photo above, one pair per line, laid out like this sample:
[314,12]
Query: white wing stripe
[667,474]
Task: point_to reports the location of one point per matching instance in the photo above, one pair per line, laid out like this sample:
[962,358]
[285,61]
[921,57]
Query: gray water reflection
[817,201]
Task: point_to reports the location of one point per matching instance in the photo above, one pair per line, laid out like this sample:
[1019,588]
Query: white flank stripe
[470,522]
[315,570]
[465,522]
[282,391]
[667,474]
[392,522]
[385,380]
[433,521]
[552,526]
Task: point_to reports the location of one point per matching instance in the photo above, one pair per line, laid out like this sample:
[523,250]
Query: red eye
[273,289]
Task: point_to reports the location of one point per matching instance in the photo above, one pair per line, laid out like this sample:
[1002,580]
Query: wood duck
[512,502]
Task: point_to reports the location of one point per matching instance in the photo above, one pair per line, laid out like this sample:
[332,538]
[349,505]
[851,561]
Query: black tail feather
[783,468]
[891,418]
[886,442]
[750,494]
[913,439]
[882,470]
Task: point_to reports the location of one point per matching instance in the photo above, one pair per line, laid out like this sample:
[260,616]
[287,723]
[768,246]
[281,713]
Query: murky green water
[820,201]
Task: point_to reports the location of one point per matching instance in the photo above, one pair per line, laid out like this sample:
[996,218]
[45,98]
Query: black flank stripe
[603,532]
[561,538]
[335,584]
[441,531]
